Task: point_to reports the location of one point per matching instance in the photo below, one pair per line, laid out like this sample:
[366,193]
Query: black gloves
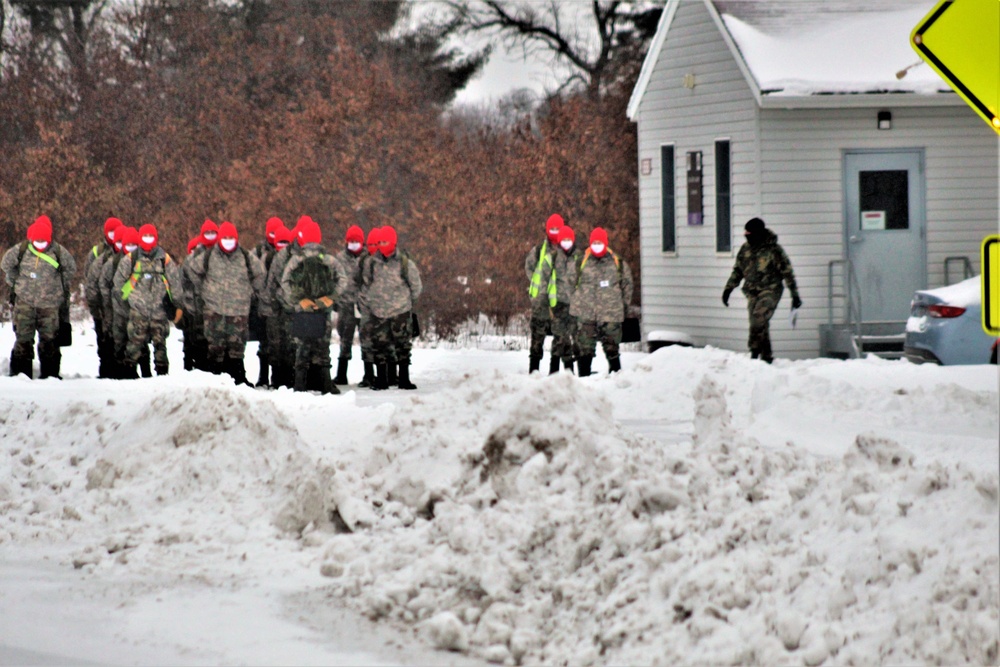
[796,302]
[725,296]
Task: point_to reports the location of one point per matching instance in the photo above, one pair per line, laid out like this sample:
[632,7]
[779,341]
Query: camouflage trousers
[142,331]
[761,308]
[564,345]
[392,339]
[366,328]
[541,326]
[347,324]
[609,334]
[28,321]
[311,352]
[226,336]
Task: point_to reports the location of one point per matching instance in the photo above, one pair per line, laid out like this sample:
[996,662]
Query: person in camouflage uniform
[348,259]
[195,343]
[364,312]
[762,265]
[539,265]
[96,258]
[38,271]
[563,322]
[260,309]
[391,285]
[602,295]
[281,348]
[150,281]
[227,277]
[115,311]
[310,283]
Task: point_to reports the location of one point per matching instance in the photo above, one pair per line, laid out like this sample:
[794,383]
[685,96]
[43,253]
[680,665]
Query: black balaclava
[755,231]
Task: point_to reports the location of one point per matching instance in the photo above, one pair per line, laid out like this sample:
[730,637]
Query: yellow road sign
[991,284]
[960,40]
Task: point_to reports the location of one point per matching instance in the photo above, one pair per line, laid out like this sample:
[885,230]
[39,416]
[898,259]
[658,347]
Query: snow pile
[511,518]
[196,471]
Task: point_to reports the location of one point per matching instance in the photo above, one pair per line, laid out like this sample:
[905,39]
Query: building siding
[787,167]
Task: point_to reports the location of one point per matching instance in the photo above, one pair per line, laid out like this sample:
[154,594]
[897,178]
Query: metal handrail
[966,267]
[851,296]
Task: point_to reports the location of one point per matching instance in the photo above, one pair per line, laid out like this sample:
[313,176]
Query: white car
[945,326]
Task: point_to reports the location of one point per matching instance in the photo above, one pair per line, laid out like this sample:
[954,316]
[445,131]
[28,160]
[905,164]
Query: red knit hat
[206,227]
[599,236]
[567,233]
[148,230]
[37,231]
[283,235]
[44,221]
[271,227]
[227,230]
[374,236]
[110,225]
[130,237]
[555,222]
[387,241]
[354,235]
[193,243]
[310,233]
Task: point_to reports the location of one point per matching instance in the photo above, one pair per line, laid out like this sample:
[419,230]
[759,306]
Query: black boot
[765,352]
[48,367]
[161,369]
[144,365]
[533,365]
[369,378]
[393,374]
[381,377]
[262,377]
[553,365]
[568,365]
[19,365]
[404,377]
[341,372]
[614,365]
[129,372]
[583,364]
[238,372]
[301,382]
[326,385]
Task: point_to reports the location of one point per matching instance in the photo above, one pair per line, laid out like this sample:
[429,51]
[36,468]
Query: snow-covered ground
[697,508]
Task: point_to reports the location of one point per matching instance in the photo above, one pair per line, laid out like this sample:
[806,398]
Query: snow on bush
[198,468]
[536,530]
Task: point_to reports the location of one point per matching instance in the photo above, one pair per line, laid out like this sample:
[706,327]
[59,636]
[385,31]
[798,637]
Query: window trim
[668,205]
[724,198]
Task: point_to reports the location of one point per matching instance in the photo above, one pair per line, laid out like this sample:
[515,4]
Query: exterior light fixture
[884,120]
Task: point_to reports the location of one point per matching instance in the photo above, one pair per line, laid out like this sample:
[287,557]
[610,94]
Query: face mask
[281,245]
[598,248]
[554,232]
[354,247]
[40,245]
[566,245]
[118,246]
[148,240]
[210,236]
[228,244]
[130,248]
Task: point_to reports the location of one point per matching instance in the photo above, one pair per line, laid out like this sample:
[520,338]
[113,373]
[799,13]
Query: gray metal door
[885,230]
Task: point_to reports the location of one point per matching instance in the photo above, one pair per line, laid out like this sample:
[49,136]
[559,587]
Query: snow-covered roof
[818,52]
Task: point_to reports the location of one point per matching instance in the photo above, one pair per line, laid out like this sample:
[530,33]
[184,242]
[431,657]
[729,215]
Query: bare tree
[596,44]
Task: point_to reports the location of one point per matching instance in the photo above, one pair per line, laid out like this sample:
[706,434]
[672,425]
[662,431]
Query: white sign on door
[872,219]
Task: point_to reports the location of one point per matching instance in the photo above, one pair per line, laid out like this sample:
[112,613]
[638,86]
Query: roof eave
[735,51]
[859,100]
[653,55]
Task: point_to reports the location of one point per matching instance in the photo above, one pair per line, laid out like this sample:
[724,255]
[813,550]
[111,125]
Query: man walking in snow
[564,332]
[539,267]
[260,309]
[762,265]
[38,272]
[195,343]
[601,299]
[227,277]
[96,258]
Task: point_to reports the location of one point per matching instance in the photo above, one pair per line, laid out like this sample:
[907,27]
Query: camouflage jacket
[39,279]
[111,301]
[350,264]
[92,278]
[565,268]
[264,252]
[144,278]
[272,286]
[762,268]
[227,282]
[603,288]
[535,262]
[292,293]
[389,285]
